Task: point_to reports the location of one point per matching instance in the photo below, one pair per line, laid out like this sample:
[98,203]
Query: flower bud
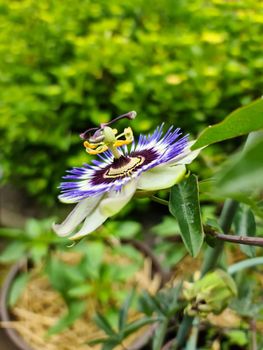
[210,294]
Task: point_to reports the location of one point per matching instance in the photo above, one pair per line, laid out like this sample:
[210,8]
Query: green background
[69,65]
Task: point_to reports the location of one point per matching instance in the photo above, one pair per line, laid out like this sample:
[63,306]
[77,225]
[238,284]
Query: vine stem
[247,240]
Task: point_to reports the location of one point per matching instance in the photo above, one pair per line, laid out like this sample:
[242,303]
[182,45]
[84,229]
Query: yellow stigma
[110,141]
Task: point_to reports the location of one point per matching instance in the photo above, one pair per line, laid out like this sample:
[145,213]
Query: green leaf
[13,252]
[184,205]
[168,227]
[127,229]
[97,341]
[12,233]
[123,315]
[80,291]
[240,122]
[244,264]
[244,171]
[110,344]
[134,326]
[245,225]
[75,309]
[33,228]
[17,288]
[159,334]
[145,304]
[62,276]
[38,251]
[237,337]
[103,323]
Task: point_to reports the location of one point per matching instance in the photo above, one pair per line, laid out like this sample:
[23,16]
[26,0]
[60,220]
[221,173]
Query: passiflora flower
[103,188]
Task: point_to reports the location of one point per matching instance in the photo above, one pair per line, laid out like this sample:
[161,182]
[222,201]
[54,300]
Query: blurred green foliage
[66,66]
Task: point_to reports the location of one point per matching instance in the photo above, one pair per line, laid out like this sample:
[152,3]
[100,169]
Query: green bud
[210,294]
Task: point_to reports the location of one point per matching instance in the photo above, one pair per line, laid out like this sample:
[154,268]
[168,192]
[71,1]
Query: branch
[247,240]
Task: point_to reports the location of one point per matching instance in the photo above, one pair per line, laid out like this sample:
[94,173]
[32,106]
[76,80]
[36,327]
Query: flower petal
[92,222]
[109,206]
[116,200]
[76,216]
[187,156]
[161,177]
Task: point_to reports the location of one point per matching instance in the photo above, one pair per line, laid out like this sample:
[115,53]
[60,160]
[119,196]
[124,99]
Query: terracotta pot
[10,338]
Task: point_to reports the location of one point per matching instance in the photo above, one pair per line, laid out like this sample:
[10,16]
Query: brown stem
[247,240]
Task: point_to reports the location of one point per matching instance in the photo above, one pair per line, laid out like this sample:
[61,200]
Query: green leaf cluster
[66,66]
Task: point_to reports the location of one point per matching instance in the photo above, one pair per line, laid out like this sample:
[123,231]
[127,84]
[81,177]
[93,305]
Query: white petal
[76,216]
[160,178]
[108,206]
[187,156]
[117,200]
[92,222]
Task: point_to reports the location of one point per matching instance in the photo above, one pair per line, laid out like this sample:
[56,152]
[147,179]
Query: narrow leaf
[13,252]
[80,291]
[17,288]
[123,315]
[103,323]
[184,205]
[240,122]
[136,325]
[244,264]
[159,335]
[110,344]
[12,233]
[75,309]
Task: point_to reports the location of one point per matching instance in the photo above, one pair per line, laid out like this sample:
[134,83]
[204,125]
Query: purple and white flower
[103,188]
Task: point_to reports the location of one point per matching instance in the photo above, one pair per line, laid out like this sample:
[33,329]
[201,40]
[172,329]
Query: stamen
[105,139]
[86,134]
[128,134]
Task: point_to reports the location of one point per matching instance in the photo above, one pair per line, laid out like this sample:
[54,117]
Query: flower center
[123,167]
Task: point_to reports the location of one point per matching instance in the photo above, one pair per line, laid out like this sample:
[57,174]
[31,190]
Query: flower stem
[159,200]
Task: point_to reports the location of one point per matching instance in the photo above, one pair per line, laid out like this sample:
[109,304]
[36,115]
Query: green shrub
[66,66]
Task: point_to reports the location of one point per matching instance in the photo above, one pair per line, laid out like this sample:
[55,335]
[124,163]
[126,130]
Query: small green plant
[93,277]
